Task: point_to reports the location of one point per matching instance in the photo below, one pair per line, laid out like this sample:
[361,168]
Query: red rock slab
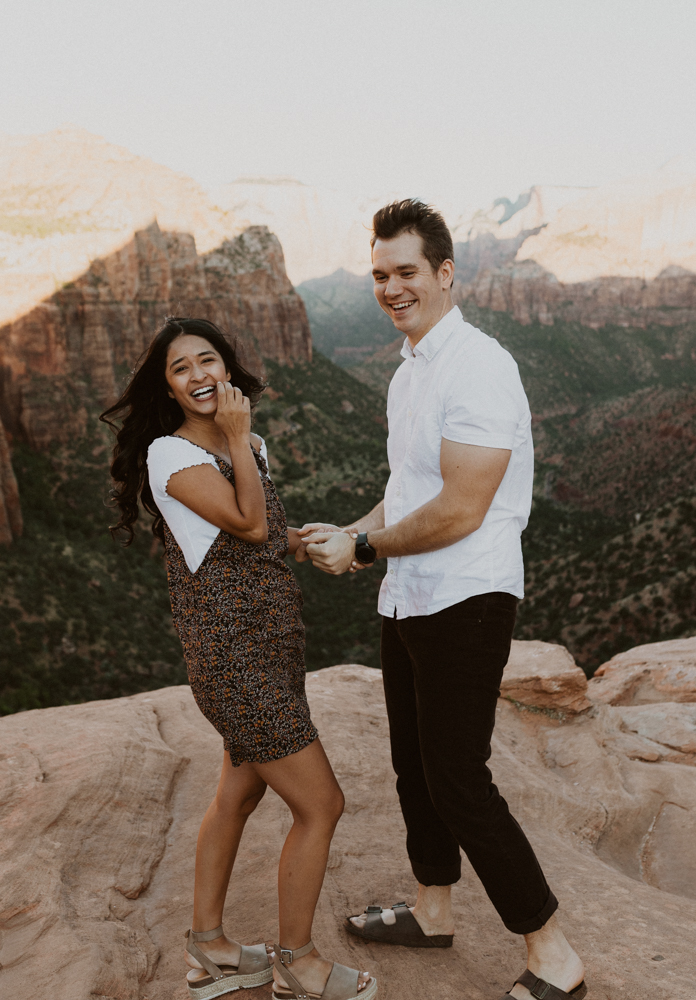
[100,808]
[656,672]
[544,675]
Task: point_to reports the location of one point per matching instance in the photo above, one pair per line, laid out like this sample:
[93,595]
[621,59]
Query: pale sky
[469,98]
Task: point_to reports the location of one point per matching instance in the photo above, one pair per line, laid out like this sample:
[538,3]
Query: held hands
[233,415]
[333,551]
[305,533]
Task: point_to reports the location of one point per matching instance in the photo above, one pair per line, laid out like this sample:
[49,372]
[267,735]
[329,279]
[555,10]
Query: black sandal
[406,931]
[542,990]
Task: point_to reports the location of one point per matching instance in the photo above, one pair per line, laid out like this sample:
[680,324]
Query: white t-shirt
[165,456]
[462,385]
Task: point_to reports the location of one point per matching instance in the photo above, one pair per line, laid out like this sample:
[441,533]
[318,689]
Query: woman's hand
[233,415]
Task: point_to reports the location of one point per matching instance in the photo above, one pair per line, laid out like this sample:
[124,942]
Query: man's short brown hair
[414,216]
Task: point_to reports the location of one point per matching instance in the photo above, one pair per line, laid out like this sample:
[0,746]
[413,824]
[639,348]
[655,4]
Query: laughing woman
[185,451]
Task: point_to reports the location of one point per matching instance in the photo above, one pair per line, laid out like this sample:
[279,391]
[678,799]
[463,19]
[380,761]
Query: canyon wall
[76,346]
[621,254]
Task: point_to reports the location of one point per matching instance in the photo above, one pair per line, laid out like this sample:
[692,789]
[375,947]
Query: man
[458,497]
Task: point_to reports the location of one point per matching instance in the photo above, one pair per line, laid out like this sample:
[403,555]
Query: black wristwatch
[364,552]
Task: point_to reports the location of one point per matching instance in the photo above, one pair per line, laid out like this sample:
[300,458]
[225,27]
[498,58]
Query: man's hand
[332,551]
[305,533]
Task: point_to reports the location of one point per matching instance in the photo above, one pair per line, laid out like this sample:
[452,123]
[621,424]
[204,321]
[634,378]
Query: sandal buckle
[283,952]
[540,989]
[373,909]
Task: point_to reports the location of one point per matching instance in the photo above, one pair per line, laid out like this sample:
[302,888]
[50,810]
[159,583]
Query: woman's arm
[240,509]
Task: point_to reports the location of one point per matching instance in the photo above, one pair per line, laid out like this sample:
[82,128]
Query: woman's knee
[324,810]
[239,802]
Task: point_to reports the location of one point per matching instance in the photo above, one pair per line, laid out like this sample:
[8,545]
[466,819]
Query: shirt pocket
[425,443]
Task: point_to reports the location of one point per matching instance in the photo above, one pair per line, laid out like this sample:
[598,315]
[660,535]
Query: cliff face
[69,197]
[78,344]
[622,254]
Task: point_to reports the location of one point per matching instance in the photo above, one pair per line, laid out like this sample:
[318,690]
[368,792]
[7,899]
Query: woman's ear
[228,377]
[170,393]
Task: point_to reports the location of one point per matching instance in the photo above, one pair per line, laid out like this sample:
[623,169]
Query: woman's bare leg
[308,786]
[239,791]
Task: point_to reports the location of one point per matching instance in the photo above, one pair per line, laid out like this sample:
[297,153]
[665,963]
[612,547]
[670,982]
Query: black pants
[442,676]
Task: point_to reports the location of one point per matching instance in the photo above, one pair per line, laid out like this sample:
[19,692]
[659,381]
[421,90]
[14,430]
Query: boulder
[544,675]
[100,806]
[659,671]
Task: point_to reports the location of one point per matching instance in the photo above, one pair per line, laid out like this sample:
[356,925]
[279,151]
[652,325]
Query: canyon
[101,804]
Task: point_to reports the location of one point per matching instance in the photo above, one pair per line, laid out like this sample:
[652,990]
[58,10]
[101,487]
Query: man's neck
[416,337]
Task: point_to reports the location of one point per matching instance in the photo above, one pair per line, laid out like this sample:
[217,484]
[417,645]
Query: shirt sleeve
[483,406]
[167,455]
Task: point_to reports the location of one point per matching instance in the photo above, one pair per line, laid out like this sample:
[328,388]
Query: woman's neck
[205,432]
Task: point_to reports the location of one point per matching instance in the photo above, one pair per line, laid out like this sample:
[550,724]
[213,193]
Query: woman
[185,451]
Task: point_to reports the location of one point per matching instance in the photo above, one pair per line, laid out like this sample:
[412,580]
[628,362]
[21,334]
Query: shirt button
[410,413]
[391,571]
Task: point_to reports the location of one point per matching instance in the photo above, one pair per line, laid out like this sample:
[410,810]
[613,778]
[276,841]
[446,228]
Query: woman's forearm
[250,496]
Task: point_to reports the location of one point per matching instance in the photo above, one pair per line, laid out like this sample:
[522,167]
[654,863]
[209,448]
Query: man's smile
[401,306]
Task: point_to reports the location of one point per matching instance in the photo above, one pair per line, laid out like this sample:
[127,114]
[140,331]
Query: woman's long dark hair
[146,412]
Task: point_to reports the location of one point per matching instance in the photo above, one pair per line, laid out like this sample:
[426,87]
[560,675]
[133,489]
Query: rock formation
[622,254]
[321,230]
[69,197]
[78,344]
[101,803]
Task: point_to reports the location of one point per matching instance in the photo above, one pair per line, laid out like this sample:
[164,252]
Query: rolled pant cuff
[537,922]
[440,875]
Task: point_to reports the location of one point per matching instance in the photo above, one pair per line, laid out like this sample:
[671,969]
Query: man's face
[412,295]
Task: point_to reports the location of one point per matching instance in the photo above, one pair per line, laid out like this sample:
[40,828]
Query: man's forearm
[435,525]
[371,522]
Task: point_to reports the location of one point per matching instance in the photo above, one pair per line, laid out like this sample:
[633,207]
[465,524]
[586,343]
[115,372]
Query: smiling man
[458,497]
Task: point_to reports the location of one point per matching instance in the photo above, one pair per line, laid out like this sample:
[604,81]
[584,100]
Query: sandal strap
[541,990]
[285,957]
[341,984]
[207,963]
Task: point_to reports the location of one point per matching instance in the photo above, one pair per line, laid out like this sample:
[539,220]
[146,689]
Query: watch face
[365,554]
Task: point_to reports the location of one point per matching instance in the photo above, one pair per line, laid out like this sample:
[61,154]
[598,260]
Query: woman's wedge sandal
[406,931]
[342,983]
[541,990]
[254,968]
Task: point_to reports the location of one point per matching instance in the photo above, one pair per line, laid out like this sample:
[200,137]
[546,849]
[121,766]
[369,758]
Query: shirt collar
[435,338]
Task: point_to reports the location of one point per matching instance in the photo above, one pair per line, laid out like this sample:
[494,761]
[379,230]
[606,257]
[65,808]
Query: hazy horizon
[464,102]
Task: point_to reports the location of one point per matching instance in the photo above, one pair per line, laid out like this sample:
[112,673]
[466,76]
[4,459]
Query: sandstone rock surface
[77,345]
[100,807]
[656,672]
[544,675]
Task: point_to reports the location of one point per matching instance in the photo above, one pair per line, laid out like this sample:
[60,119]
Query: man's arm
[471,476]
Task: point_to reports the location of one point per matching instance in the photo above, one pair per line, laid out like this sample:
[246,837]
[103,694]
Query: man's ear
[447,273]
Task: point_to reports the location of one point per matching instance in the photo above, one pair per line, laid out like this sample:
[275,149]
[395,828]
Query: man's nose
[394,286]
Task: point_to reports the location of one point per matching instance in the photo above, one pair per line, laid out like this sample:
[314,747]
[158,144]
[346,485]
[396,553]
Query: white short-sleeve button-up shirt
[462,385]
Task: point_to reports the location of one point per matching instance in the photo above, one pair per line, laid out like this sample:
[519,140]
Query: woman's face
[193,369]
